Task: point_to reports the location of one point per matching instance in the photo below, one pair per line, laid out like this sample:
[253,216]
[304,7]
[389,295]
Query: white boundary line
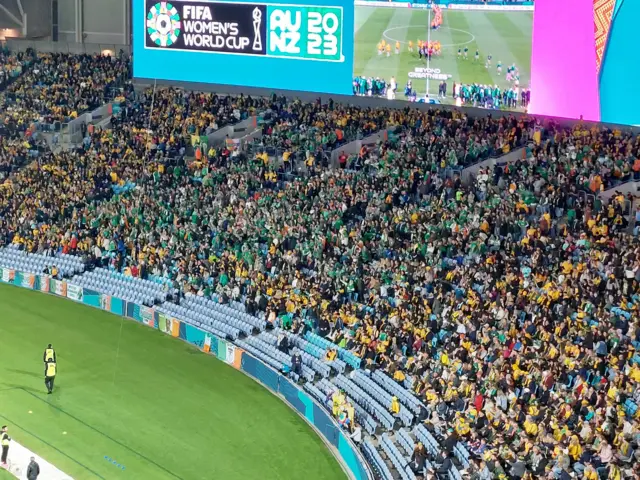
[18,461]
[473,37]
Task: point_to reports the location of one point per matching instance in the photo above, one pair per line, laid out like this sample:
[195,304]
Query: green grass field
[162,409]
[506,36]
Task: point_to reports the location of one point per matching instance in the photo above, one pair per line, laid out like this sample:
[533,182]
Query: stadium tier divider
[254,354]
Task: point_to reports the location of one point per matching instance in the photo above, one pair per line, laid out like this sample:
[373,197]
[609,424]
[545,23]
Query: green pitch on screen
[506,36]
[172,412]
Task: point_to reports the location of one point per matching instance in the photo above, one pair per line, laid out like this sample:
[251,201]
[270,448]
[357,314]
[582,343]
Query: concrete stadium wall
[352,148]
[237,131]
[94,21]
[632,188]
[29,18]
[37,18]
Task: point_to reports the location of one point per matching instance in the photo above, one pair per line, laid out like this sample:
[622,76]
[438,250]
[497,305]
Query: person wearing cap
[451,441]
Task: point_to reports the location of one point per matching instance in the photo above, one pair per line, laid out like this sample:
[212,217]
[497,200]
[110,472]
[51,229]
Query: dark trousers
[5,452]
[48,381]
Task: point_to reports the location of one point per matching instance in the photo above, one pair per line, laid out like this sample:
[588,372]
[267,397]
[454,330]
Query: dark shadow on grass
[26,372]
[17,386]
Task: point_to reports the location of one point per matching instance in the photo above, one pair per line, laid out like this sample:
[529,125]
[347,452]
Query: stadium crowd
[12,65]
[59,87]
[507,304]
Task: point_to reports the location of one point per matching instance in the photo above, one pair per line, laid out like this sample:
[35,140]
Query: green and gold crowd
[507,303]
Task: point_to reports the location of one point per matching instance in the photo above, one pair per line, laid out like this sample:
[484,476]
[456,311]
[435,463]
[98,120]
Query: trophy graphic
[257,20]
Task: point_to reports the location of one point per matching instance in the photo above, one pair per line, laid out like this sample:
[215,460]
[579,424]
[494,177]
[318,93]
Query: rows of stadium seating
[376,391]
[122,286]
[405,396]
[280,359]
[397,458]
[202,320]
[243,321]
[375,460]
[370,404]
[200,312]
[322,392]
[68,265]
[315,351]
[343,354]
[312,362]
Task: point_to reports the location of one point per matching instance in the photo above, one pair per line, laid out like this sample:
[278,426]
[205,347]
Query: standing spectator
[33,470]
[296,363]
[395,405]
[418,459]
[5,440]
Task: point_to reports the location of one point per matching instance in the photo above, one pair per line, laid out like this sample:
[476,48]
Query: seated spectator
[445,464]
[283,343]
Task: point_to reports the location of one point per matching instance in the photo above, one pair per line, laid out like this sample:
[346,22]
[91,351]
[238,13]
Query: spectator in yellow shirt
[395,405]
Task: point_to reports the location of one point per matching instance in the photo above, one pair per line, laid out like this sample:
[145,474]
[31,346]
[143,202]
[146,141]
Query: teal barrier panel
[193,335]
[117,306]
[91,299]
[350,457]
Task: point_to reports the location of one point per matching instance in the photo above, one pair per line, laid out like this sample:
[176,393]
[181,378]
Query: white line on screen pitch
[473,37]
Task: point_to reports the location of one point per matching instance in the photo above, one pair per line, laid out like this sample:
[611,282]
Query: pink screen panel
[564,80]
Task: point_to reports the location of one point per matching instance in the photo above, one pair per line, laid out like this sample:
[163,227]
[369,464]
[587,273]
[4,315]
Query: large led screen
[566,58]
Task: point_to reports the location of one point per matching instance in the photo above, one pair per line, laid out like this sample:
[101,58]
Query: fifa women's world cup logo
[163,24]
[257,20]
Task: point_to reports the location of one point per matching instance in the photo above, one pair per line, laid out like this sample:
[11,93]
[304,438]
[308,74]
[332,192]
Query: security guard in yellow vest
[50,371]
[5,439]
[49,354]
